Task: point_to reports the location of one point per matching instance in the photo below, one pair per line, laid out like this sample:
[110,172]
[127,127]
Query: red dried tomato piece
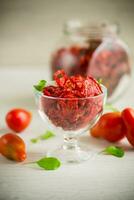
[69,85]
[53,91]
[77,80]
[95,86]
[67,94]
[60,77]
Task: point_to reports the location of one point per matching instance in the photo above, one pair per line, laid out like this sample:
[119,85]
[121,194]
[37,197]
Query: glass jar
[96,50]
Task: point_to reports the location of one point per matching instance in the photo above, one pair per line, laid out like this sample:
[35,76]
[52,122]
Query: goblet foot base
[72,155]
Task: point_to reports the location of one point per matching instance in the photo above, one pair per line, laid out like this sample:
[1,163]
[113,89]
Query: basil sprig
[48,134]
[49,163]
[114,150]
[41,84]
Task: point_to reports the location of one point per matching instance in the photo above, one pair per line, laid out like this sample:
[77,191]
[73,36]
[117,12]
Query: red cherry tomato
[18,119]
[110,127]
[128,117]
[12,147]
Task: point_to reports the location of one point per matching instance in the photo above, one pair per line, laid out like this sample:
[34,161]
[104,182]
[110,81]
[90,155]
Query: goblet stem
[70,151]
[70,143]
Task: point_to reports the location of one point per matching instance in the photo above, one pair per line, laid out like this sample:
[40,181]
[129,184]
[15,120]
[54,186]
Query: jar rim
[90,29]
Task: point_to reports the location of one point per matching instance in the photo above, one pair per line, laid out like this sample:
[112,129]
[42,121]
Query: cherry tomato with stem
[12,147]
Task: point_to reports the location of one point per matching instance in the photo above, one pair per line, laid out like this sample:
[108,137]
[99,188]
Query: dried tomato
[73,109]
[60,77]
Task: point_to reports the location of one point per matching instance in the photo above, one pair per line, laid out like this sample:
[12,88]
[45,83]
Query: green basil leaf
[40,85]
[49,163]
[114,150]
[48,134]
[34,140]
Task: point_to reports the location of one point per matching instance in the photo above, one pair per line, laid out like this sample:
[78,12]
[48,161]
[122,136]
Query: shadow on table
[98,143]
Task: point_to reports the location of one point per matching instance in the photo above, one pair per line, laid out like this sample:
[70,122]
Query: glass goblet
[71,117]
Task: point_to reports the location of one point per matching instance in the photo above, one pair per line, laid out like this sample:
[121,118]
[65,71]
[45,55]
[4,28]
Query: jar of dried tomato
[96,50]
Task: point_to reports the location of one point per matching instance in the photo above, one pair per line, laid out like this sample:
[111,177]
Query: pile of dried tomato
[71,106]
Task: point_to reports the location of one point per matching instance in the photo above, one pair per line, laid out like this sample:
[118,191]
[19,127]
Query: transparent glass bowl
[71,117]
